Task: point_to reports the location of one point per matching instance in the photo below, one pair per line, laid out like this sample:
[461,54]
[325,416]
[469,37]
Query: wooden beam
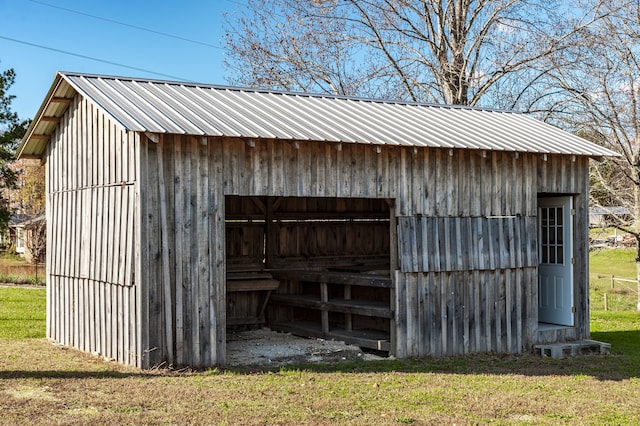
[45,137]
[59,100]
[328,277]
[153,137]
[259,204]
[49,119]
[277,203]
[346,306]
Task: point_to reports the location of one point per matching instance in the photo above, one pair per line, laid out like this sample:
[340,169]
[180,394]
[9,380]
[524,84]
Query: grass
[41,383]
[22,313]
[620,263]
[603,232]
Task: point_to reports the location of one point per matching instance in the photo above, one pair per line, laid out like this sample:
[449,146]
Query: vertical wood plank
[432,312]
[476,330]
[206,296]
[102,304]
[400,314]
[421,316]
[413,329]
[417,181]
[496,184]
[165,244]
[440,184]
[499,311]
[445,330]
[489,300]
[452,183]
[142,256]
[465,285]
[196,314]
[179,206]
[509,311]
[120,323]
[91,316]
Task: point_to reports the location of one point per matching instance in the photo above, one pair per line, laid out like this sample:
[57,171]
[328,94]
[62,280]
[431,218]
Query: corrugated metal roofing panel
[184,108]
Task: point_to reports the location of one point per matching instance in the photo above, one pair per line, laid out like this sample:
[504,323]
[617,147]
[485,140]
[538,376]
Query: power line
[124,24]
[104,61]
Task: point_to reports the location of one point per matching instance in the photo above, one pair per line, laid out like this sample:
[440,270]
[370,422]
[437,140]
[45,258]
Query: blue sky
[32,21]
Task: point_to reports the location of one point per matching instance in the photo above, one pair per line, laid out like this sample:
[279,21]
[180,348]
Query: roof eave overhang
[34,143]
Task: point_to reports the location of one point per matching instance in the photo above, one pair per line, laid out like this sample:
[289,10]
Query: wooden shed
[178,210]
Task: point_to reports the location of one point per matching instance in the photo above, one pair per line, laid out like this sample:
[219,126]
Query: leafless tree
[606,108]
[36,239]
[466,52]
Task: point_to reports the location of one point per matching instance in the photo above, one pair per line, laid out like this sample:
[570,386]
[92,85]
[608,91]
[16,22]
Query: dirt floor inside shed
[267,348]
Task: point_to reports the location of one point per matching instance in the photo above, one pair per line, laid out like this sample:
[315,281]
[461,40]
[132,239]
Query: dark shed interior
[316,267]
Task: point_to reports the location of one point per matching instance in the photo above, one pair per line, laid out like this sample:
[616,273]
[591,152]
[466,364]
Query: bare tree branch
[484,52]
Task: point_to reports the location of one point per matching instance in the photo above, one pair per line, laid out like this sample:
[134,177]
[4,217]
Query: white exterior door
[555,272]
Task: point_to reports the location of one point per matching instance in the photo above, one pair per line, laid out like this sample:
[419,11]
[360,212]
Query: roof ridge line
[285,92]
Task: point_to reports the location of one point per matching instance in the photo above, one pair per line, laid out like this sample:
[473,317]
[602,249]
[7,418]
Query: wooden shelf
[334,296]
[252,285]
[332,277]
[371,339]
[358,307]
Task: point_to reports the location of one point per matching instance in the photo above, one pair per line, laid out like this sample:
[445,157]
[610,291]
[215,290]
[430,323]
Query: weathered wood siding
[473,288]
[182,251]
[91,223]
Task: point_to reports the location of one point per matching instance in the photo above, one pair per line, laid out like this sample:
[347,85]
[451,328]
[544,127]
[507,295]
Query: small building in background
[26,236]
[601,217]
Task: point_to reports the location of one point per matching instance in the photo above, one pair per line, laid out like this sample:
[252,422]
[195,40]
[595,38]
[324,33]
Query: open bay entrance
[316,267]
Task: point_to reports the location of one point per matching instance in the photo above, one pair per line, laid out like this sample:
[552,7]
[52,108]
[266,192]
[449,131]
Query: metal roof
[198,109]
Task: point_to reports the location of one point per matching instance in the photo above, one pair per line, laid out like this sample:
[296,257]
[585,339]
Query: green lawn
[602,265]
[22,313]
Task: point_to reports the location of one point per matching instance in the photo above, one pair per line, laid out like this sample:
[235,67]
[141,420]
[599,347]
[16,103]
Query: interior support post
[393,266]
[270,243]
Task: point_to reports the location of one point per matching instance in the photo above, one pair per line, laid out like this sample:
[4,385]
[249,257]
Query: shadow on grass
[54,374]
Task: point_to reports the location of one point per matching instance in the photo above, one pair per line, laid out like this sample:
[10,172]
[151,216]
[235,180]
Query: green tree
[12,129]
